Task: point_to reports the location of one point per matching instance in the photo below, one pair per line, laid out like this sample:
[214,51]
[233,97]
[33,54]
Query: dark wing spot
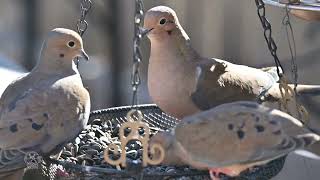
[230,126]
[36,126]
[259,128]
[273,122]
[277,132]
[29,119]
[13,128]
[257,119]
[62,124]
[240,134]
[46,115]
[169,32]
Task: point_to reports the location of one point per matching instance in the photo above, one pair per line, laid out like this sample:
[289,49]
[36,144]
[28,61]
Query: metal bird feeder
[85,157]
[304,9]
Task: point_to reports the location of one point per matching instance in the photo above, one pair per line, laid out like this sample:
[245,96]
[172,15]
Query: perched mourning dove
[233,137]
[182,82]
[46,108]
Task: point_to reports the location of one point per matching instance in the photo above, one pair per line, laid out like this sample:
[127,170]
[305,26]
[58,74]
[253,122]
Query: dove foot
[216,173]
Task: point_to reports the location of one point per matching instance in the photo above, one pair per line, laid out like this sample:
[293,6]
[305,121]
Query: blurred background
[225,29]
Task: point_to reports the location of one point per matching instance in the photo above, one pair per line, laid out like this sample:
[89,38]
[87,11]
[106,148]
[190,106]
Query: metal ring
[302,6]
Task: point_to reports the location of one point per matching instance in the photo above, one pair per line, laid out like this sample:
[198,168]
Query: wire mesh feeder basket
[84,157]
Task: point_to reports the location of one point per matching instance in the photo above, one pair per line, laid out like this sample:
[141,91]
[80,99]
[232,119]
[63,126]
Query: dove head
[161,23]
[61,47]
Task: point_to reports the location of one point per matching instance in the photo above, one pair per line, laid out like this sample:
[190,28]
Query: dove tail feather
[290,144]
[307,139]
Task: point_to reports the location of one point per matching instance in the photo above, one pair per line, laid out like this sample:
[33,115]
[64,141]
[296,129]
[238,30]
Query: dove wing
[219,82]
[38,113]
[37,119]
[238,135]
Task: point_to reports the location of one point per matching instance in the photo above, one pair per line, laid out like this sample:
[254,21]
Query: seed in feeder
[91,152]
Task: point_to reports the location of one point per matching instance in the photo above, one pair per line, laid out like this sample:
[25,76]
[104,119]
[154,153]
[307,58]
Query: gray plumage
[46,108]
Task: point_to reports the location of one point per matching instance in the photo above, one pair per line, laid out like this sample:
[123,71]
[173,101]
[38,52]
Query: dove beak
[84,55]
[145,31]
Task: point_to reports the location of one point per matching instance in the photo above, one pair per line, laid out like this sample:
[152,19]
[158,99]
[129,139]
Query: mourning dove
[46,108]
[233,137]
[182,82]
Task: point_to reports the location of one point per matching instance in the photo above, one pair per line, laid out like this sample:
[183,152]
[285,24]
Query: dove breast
[41,112]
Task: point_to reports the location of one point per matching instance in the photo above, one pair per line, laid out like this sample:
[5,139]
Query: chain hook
[82,24]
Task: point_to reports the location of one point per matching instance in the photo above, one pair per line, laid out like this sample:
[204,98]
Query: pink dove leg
[215,172]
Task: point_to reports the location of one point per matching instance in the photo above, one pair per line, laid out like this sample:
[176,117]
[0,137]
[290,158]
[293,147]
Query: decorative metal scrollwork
[135,128]
[288,94]
[32,159]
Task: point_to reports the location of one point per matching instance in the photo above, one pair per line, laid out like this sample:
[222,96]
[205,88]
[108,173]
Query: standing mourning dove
[181,82]
[233,137]
[45,109]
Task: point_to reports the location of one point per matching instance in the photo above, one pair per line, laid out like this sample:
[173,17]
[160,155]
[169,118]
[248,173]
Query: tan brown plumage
[46,108]
[234,137]
[182,82]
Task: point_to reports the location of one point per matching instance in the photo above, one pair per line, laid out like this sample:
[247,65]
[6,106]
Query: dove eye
[71,44]
[163,21]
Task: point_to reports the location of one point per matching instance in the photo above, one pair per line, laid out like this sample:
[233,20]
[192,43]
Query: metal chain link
[286,91]
[302,111]
[137,57]
[268,35]
[82,24]
[292,47]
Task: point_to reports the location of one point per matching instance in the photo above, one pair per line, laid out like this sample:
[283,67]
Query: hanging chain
[286,91]
[135,77]
[268,35]
[292,47]
[82,24]
[302,112]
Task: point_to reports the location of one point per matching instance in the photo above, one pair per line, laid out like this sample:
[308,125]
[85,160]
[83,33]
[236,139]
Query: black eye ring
[71,44]
[163,21]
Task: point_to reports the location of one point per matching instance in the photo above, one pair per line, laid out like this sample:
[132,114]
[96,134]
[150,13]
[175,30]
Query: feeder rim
[302,6]
[125,108]
[125,173]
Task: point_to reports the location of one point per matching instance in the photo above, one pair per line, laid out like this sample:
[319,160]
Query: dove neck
[184,45]
[178,44]
[49,65]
